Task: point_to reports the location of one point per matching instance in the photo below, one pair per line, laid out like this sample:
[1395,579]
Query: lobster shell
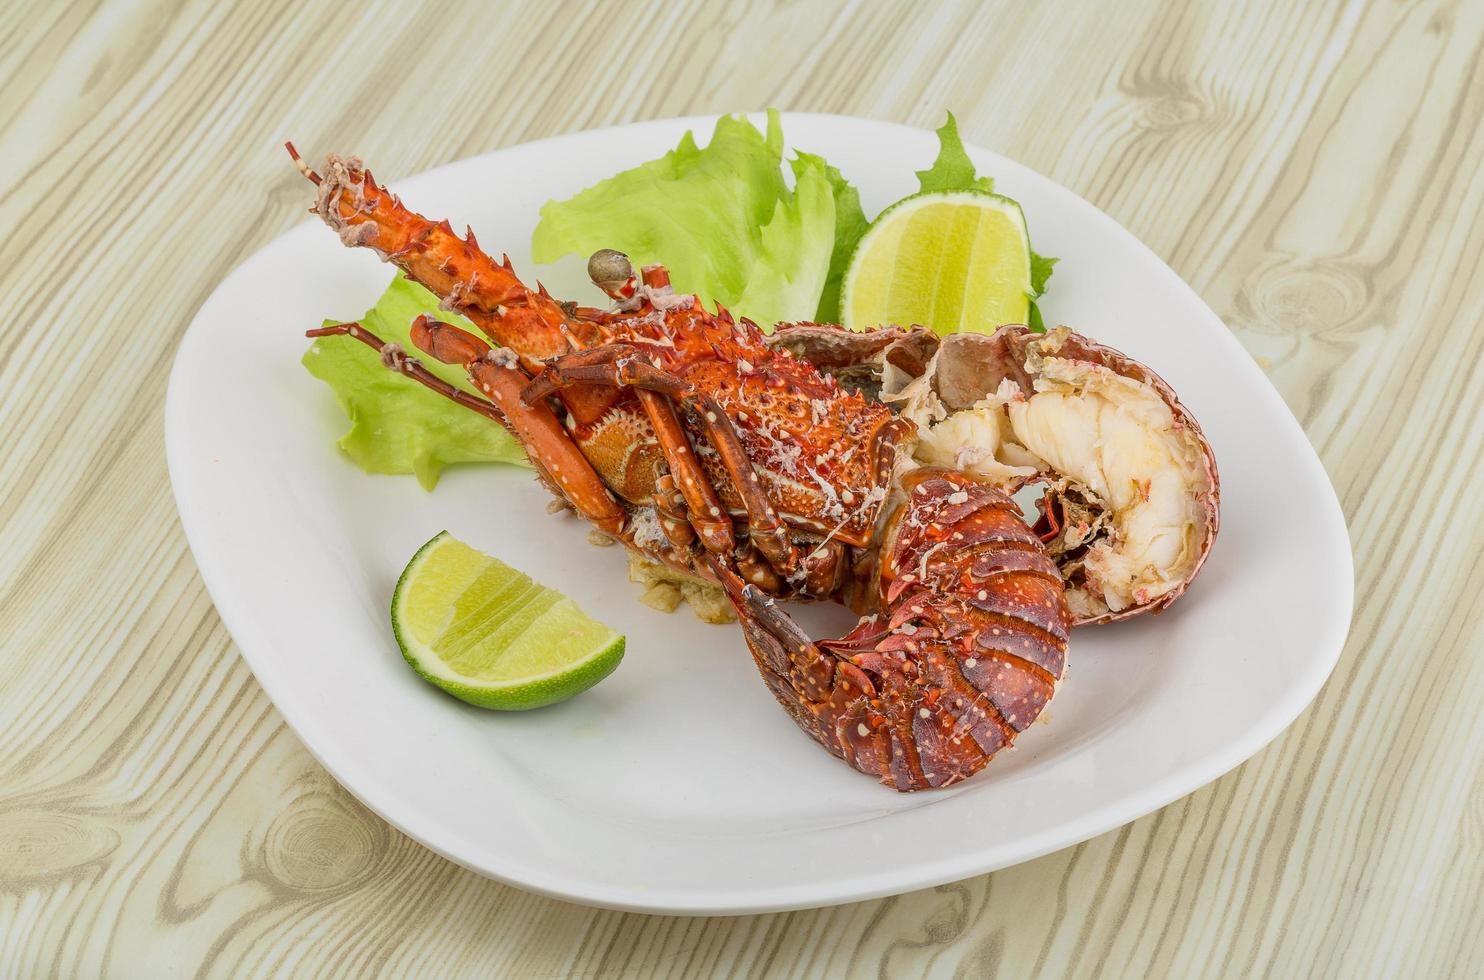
[965,368]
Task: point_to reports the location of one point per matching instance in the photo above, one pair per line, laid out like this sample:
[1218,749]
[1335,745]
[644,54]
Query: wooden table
[1313,169]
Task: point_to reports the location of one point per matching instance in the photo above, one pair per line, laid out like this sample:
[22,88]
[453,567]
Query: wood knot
[1173,111]
[1310,299]
[39,844]
[322,840]
[1162,102]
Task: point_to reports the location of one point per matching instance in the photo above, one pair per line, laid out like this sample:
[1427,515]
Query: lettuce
[1041,268]
[397,425]
[850,225]
[952,170]
[721,218]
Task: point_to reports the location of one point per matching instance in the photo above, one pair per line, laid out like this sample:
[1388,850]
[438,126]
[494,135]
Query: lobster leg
[397,360]
[622,365]
[545,441]
[765,529]
[698,502]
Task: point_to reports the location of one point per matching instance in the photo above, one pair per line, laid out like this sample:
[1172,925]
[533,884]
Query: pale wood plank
[1310,168]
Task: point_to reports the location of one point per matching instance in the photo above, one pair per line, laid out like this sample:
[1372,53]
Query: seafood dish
[878,469]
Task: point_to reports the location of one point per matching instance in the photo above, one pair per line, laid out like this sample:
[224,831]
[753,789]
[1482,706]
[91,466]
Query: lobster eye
[609,269]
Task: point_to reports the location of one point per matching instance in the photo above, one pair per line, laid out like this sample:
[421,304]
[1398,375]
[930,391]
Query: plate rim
[1181,782]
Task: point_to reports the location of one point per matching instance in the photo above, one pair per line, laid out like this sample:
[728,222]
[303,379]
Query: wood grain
[1311,168]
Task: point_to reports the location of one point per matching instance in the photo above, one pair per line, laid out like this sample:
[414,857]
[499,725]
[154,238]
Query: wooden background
[1313,169]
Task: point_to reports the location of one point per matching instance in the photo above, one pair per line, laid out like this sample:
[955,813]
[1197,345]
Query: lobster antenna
[303,167]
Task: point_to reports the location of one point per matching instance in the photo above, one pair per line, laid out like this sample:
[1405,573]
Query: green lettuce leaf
[397,425]
[792,263]
[1041,267]
[1040,272]
[850,225]
[954,171]
[721,218]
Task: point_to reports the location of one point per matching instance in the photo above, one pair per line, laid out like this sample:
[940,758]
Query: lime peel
[949,260]
[521,645]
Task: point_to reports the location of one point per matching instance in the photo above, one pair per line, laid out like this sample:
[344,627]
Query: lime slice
[491,636]
[950,260]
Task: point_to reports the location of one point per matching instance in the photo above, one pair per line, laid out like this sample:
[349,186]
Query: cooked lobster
[689,437]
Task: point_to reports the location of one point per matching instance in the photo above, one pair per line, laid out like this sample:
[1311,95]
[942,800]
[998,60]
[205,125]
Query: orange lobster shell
[691,439]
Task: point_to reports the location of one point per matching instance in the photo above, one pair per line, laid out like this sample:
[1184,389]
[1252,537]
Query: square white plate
[678,785]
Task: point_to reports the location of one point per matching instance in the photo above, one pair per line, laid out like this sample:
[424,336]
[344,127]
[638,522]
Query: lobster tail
[966,651]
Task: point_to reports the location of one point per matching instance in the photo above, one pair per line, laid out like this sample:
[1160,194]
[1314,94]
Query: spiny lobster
[690,438]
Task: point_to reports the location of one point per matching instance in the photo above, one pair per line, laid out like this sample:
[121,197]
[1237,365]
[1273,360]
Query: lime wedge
[949,260]
[489,635]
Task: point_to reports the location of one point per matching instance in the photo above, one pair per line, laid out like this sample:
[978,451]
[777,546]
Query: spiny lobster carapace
[688,437]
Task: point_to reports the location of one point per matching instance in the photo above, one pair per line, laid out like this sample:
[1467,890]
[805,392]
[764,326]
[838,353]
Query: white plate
[678,785]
